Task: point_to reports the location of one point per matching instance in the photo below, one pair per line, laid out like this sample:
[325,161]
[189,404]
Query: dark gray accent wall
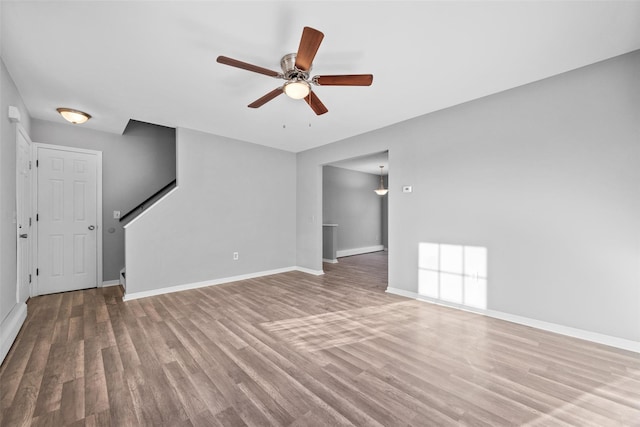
[135,165]
[348,200]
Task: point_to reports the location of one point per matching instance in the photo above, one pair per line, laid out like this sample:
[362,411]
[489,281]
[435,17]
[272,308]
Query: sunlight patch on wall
[453,273]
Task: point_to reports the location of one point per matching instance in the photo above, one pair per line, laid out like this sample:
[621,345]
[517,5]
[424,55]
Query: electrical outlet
[235,256]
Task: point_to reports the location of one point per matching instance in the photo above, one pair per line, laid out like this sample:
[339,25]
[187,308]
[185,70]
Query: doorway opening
[354,216]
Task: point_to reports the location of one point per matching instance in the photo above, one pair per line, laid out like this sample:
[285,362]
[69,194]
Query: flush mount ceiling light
[74,116]
[381,191]
[297,89]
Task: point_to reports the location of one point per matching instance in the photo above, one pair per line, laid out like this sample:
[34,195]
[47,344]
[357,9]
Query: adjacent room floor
[296,349]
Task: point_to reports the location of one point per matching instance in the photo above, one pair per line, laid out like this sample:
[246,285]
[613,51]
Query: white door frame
[20,130]
[34,246]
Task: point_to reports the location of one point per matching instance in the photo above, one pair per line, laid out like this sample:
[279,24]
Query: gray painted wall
[232,196]
[545,176]
[348,200]
[8,256]
[134,166]
[385,214]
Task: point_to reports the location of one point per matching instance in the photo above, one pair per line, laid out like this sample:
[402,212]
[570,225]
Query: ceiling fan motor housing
[289,70]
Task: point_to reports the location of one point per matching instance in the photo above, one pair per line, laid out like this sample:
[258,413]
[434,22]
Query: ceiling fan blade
[309,44]
[246,66]
[344,80]
[268,97]
[316,105]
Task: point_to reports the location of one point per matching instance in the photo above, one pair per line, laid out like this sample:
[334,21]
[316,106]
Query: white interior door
[67,220]
[23,213]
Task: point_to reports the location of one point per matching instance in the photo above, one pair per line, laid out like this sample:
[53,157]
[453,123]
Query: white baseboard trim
[135,295]
[10,327]
[609,340]
[110,283]
[330,261]
[358,251]
[309,271]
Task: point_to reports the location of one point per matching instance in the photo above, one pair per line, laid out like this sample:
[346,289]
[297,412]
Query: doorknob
[91,227]
[23,236]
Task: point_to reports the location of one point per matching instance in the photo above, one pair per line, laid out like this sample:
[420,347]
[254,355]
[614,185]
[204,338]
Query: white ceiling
[154,61]
[368,164]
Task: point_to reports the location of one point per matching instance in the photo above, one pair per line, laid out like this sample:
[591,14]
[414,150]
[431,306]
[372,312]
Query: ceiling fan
[295,70]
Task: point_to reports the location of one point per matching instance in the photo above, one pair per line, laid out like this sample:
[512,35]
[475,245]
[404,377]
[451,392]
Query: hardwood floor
[299,350]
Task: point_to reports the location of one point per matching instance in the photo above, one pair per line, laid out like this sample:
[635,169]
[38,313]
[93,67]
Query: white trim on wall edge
[10,327]
[358,251]
[187,286]
[330,261]
[609,340]
[309,271]
[144,212]
[110,283]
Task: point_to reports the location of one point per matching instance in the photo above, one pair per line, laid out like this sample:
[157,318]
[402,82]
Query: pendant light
[381,191]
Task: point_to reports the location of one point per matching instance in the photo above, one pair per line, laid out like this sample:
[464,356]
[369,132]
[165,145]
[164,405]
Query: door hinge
[29,278]
[37,217]
[37,271]
[29,164]
[29,221]
[37,163]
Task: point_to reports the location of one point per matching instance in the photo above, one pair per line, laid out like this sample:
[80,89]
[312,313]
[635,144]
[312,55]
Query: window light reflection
[453,273]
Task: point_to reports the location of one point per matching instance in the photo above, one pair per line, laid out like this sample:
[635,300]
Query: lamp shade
[297,89]
[74,116]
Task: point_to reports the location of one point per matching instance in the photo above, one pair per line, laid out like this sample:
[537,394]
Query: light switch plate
[116,214]
[407,189]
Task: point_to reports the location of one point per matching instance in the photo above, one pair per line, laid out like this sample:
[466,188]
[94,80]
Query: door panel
[67,224]
[23,214]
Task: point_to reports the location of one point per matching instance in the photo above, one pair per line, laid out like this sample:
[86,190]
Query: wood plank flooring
[298,350]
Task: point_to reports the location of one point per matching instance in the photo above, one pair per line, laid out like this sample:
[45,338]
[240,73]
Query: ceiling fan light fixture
[295,71]
[297,89]
[76,117]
